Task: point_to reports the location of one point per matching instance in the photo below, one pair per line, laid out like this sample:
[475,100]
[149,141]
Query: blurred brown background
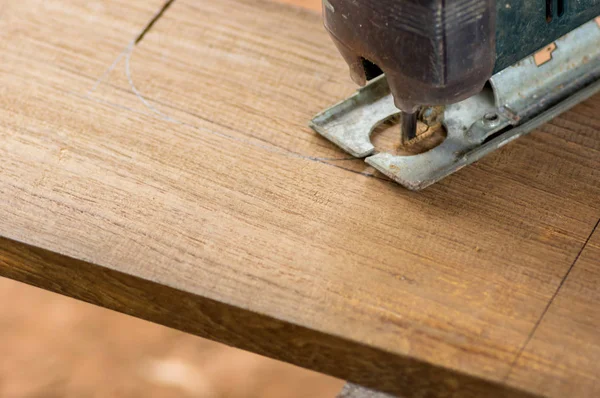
[53,346]
[310,4]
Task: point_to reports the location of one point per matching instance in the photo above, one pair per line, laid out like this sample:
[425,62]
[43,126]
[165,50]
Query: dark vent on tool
[560,9]
[371,70]
[549,10]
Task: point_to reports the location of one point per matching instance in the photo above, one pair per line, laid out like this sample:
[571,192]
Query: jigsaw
[465,76]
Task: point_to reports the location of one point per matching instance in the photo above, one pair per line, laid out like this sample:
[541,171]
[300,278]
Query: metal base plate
[519,99]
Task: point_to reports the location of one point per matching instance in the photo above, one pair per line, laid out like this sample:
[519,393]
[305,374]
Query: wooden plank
[561,359]
[222,322]
[180,184]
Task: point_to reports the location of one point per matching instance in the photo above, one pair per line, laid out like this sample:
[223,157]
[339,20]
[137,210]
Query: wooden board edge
[234,326]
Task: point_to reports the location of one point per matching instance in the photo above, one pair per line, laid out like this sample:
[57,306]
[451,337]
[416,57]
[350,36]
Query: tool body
[495,66]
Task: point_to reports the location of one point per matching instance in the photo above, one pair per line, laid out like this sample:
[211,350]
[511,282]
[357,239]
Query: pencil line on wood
[107,71]
[270,148]
[539,321]
[128,51]
[134,42]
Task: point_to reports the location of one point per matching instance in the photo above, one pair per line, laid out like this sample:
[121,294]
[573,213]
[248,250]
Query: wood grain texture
[561,359]
[174,179]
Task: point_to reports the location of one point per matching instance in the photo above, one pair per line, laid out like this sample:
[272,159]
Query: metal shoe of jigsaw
[498,68]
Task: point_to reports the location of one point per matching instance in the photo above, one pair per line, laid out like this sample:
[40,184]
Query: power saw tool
[465,76]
